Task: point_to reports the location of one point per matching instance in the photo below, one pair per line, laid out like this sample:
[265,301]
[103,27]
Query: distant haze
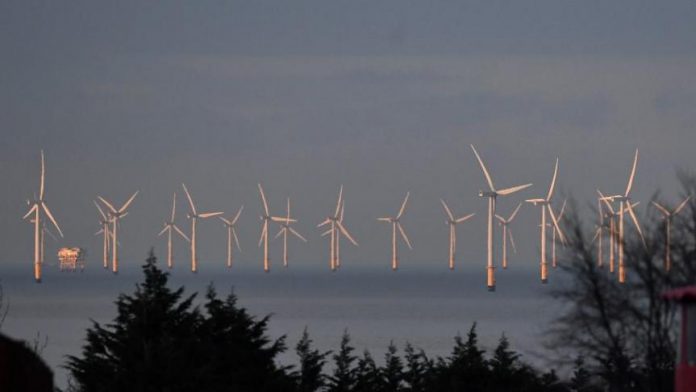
[383,97]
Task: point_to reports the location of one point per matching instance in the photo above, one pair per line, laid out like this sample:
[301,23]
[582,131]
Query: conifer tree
[310,377]
[343,377]
[367,375]
[392,374]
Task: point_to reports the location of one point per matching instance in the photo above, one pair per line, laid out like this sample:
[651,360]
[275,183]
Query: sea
[426,306]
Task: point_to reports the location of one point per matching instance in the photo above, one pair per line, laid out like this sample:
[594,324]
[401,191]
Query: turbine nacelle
[488,194]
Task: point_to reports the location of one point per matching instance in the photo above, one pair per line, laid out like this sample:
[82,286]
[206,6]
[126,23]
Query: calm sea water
[426,307]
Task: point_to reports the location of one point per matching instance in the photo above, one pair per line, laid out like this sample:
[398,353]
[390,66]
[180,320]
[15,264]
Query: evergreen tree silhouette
[160,342]
[368,376]
[392,374]
[343,377]
[418,369]
[310,377]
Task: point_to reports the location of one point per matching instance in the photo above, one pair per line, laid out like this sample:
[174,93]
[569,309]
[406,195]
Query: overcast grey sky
[382,96]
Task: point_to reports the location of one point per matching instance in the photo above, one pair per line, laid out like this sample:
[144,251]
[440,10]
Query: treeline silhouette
[160,341]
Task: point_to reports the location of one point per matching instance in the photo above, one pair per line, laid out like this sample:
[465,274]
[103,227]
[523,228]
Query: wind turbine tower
[492,194]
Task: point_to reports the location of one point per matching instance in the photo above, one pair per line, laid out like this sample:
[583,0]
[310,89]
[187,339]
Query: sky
[383,97]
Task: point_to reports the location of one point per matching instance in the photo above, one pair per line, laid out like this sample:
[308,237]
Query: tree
[160,342]
[343,377]
[465,369]
[312,361]
[581,381]
[418,368]
[504,365]
[392,374]
[626,332]
[367,375]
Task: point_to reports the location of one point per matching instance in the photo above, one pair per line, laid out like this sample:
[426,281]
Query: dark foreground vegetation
[160,341]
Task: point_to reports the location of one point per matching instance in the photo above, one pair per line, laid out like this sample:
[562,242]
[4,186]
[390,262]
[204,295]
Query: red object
[685,374]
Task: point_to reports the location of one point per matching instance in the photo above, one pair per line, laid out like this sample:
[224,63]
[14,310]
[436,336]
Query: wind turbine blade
[629,207]
[682,205]
[606,202]
[327,232]
[464,218]
[263,233]
[101,212]
[485,171]
[601,212]
[561,236]
[403,206]
[279,233]
[661,208]
[346,233]
[236,240]
[228,223]
[181,233]
[288,218]
[596,235]
[263,199]
[190,200]
[161,232]
[340,199]
[173,207]
[298,235]
[125,206]
[514,213]
[560,214]
[553,182]
[633,174]
[31,210]
[403,235]
[50,234]
[43,176]
[500,218]
[50,216]
[282,219]
[343,210]
[106,203]
[324,223]
[99,232]
[512,240]
[239,212]
[210,214]
[513,189]
[447,210]
[384,219]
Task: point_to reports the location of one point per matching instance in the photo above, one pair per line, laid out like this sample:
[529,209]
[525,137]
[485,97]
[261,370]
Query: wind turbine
[266,218]
[625,205]
[507,232]
[284,229]
[104,221]
[115,216]
[492,194]
[336,229]
[395,222]
[168,227]
[194,216]
[231,232]
[452,224]
[39,207]
[545,204]
[668,216]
